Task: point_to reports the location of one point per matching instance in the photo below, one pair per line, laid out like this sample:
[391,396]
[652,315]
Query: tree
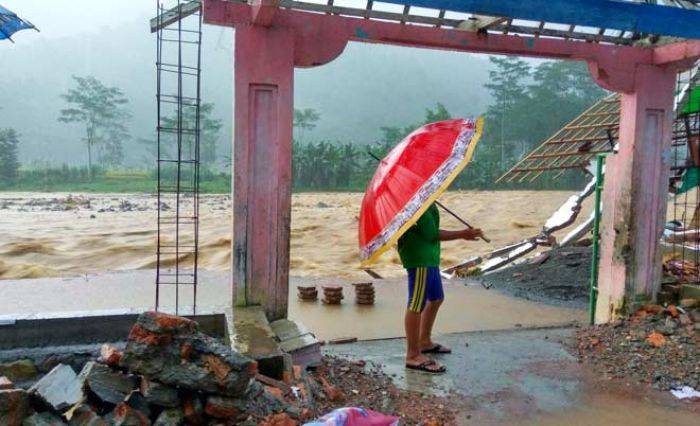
[9,164]
[507,87]
[392,135]
[305,119]
[101,109]
[440,113]
[209,132]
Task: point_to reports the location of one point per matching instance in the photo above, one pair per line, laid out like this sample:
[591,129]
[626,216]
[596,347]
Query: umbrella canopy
[410,178]
[10,23]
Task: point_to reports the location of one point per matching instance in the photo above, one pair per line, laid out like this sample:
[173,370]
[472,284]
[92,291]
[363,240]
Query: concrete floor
[521,376]
[524,377]
[467,308]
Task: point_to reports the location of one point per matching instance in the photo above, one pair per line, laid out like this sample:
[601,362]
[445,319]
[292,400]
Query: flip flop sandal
[423,366]
[437,349]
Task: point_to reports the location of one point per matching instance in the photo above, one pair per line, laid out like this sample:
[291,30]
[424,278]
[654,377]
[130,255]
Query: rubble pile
[172,374]
[657,346]
[356,383]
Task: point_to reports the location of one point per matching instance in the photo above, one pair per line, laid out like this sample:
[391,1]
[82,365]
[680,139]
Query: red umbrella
[410,178]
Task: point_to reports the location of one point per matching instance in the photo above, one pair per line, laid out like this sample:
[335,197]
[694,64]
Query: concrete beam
[320,38]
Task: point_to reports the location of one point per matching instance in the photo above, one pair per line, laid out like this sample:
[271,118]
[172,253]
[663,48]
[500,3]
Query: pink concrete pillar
[262,163]
[634,195]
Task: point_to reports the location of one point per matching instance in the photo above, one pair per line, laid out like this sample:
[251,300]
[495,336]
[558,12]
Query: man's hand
[471,234]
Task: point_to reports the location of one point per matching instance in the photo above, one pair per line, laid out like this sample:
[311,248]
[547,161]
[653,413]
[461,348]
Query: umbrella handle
[464,222]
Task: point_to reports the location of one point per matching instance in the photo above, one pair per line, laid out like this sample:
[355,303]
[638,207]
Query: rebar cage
[178,28]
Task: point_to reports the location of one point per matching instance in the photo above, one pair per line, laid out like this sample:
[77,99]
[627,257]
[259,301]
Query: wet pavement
[467,308]
[524,377]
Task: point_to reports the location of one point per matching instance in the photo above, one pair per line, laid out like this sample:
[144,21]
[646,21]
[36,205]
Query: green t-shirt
[420,245]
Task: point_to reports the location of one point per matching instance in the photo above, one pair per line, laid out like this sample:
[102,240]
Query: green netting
[693,104]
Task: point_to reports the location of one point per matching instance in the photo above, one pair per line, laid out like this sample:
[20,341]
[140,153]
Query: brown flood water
[49,235]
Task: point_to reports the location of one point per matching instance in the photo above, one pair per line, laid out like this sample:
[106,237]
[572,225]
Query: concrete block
[60,389]
[253,337]
[296,340]
[108,385]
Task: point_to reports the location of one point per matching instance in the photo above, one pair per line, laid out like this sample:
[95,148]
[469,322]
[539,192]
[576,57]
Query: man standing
[419,250]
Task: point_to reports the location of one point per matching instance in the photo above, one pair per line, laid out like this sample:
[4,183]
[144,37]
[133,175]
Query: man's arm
[469,234]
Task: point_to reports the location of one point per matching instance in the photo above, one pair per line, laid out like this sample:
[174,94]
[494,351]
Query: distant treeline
[529,104]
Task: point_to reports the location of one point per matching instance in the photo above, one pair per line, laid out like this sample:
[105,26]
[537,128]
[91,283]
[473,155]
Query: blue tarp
[11,23]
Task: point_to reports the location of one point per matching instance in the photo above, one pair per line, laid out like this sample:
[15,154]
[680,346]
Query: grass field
[112,182]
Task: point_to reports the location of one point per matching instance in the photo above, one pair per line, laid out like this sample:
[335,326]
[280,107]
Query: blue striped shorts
[424,284]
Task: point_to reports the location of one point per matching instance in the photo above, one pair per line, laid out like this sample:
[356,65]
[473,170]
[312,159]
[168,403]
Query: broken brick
[14,406]
[281,419]
[110,355]
[193,410]
[276,392]
[159,394]
[154,349]
[297,370]
[6,383]
[124,415]
[224,408]
[672,311]
[656,339]
[332,392]
[169,417]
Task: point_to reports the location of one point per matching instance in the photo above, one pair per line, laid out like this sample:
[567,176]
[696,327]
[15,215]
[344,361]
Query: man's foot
[425,364]
[435,348]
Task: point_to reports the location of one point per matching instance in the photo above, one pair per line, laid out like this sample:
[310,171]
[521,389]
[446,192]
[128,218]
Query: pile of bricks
[308,293]
[169,374]
[332,295]
[364,293]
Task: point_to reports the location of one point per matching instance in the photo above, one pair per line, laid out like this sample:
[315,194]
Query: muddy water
[610,409]
[48,235]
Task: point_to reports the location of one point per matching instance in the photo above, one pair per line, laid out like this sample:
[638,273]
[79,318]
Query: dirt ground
[561,279]
[57,235]
[655,347]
